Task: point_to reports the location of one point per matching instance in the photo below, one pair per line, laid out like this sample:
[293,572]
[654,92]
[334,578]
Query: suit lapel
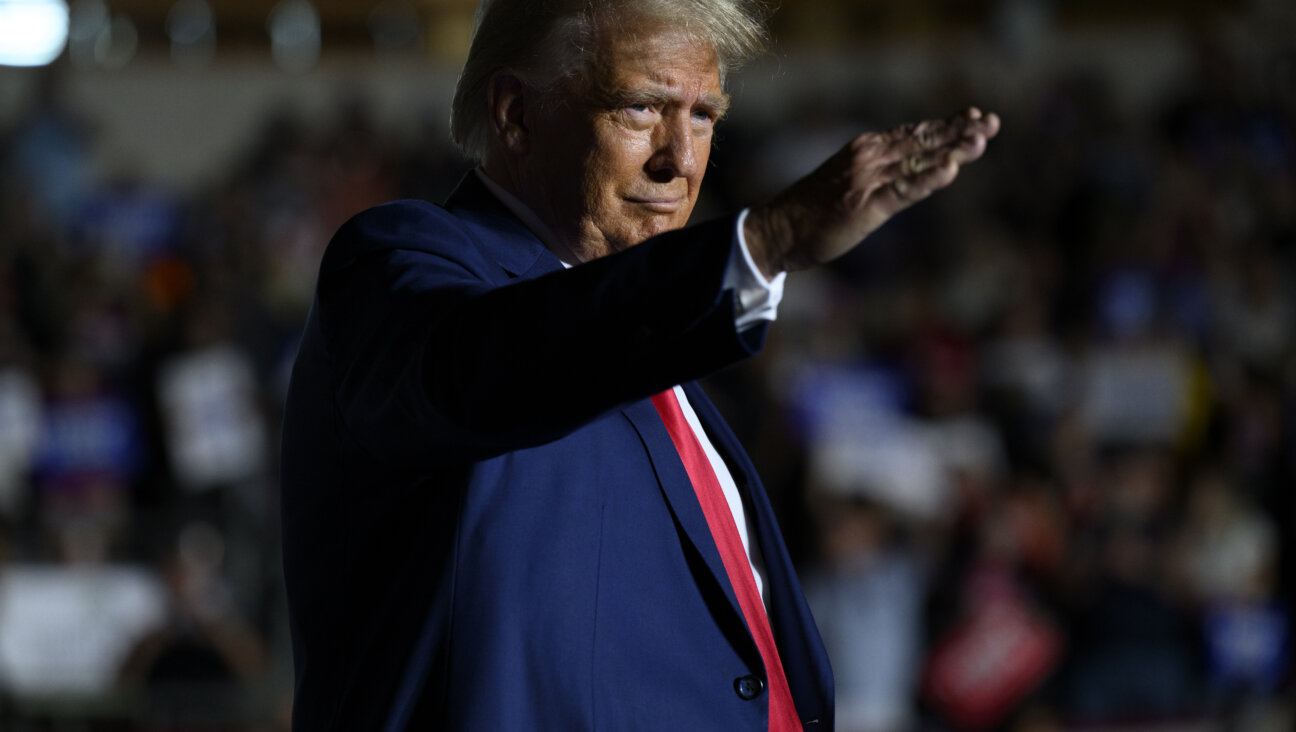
[804,659]
[678,491]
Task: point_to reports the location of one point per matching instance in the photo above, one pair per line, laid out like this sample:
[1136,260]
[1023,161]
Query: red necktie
[782,710]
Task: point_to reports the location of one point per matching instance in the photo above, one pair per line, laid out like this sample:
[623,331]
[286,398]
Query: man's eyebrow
[717,104]
[643,96]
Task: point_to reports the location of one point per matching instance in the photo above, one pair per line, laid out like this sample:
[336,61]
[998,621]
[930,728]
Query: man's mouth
[659,204]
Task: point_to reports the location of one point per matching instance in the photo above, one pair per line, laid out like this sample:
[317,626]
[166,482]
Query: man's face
[620,157]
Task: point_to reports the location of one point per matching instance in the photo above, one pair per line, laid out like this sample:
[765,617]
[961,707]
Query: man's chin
[660,224]
[643,229]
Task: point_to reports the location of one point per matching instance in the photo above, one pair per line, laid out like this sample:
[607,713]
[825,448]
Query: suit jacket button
[749,687]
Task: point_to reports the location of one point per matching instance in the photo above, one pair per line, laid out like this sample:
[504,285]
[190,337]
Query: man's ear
[508,100]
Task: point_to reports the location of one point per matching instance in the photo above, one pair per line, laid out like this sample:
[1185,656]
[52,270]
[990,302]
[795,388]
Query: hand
[827,213]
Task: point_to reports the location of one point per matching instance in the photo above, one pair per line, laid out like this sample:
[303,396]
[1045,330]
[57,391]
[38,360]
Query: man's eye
[639,109]
[702,115]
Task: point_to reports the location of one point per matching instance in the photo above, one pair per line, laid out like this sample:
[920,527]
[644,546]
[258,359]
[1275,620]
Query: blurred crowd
[1033,445]
[147,338]
[1035,440]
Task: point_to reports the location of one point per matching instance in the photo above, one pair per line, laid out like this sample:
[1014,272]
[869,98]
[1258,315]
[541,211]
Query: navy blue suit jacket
[486,525]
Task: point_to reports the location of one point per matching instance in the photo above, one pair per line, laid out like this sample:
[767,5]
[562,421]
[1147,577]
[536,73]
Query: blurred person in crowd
[1133,652]
[1229,555]
[90,451]
[20,420]
[995,646]
[1228,548]
[867,599]
[505,503]
[192,657]
[48,155]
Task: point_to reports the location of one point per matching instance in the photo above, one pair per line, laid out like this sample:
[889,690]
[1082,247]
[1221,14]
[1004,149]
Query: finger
[975,120]
[874,151]
[955,132]
[916,164]
[968,149]
[973,145]
[992,123]
[982,129]
[922,137]
[904,191]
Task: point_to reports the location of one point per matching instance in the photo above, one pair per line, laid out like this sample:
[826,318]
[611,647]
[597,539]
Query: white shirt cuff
[756,298]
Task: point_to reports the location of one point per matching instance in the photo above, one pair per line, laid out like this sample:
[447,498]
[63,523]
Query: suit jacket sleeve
[439,355]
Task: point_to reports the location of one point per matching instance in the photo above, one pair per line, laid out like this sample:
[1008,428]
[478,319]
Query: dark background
[1031,445]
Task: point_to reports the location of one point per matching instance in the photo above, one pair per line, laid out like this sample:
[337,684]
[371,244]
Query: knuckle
[864,142]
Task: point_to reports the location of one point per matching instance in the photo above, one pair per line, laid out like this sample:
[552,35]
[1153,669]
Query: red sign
[990,661]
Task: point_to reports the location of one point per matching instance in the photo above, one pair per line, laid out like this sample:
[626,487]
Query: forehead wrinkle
[618,62]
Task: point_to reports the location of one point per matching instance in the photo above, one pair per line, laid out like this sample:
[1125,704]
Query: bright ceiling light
[32,32]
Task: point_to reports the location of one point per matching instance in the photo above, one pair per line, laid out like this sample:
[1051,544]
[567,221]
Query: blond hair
[548,40]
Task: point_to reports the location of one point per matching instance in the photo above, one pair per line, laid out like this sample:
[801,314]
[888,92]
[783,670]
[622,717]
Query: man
[501,511]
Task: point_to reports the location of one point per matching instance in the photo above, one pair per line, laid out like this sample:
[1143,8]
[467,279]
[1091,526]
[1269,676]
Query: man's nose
[673,153]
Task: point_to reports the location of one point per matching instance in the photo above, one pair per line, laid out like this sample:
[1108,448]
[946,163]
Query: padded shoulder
[406,224]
